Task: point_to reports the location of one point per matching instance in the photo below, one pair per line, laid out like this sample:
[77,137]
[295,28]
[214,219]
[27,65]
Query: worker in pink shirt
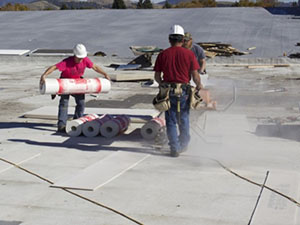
[72,67]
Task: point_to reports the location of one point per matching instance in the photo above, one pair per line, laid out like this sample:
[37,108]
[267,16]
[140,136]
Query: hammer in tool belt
[178,93]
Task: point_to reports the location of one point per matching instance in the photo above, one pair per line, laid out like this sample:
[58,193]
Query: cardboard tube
[115,126]
[74,127]
[92,128]
[75,86]
[152,128]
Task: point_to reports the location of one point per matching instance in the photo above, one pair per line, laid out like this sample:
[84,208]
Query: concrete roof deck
[255,130]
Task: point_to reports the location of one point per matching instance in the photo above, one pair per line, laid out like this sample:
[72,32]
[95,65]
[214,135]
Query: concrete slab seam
[130,167]
[73,193]
[257,184]
[25,160]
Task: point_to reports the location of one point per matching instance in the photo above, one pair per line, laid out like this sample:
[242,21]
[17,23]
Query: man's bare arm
[46,73]
[197,79]
[157,77]
[203,66]
[99,70]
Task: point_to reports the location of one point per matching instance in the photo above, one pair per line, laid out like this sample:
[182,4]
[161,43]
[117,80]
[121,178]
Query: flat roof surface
[218,180]
[114,31]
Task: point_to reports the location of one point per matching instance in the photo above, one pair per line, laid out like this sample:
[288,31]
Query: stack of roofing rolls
[74,127]
[93,125]
[92,128]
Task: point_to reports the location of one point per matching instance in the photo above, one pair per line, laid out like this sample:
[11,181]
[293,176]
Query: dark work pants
[63,108]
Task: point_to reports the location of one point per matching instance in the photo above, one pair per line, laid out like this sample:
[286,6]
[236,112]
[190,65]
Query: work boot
[61,129]
[174,153]
[183,148]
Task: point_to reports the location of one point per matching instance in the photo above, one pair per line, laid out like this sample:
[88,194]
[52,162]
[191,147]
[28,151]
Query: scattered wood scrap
[251,48]
[253,66]
[213,49]
[141,50]
[267,66]
[294,55]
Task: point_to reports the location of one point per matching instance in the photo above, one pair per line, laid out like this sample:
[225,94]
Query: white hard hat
[80,51]
[177,29]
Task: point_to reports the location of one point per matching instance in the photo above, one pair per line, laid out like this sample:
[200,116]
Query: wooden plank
[257,66]
[102,172]
[267,66]
[13,51]
[132,75]
[136,115]
[17,157]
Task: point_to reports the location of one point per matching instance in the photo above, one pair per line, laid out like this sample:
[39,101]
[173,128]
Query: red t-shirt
[176,63]
[70,69]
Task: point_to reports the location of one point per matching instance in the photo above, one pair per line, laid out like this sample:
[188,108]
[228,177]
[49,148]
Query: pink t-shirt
[70,69]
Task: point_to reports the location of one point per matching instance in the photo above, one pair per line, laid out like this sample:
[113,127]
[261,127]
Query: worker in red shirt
[72,68]
[175,66]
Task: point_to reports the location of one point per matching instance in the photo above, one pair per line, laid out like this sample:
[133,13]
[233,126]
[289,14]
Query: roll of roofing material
[92,128]
[152,128]
[74,127]
[115,126]
[75,86]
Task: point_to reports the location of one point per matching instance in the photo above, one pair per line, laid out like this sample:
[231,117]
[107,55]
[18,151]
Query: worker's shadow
[99,143]
[4,222]
[290,132]
[37,126]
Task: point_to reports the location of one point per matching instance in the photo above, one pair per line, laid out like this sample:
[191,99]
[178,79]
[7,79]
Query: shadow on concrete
[290,132]
[3,222]
[99,143]
[37,126]
[284,10]
[126,103]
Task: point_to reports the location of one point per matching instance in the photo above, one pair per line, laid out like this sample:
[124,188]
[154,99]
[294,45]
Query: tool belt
[195,99]
[162,100]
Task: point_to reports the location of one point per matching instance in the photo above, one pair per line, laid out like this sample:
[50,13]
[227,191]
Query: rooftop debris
[141,50]
[294,55]
[267,66]
[251,48]
[213,49]
[142,61]
[282,89]
[100,53]
[254,66]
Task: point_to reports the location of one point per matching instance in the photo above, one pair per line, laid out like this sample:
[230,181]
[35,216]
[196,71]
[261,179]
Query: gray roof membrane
[114,31]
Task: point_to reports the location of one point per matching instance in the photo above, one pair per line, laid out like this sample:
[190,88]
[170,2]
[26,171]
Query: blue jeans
[178,142]
[63,108]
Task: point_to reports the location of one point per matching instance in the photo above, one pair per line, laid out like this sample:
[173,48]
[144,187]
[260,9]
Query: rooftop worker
[72,68]
[177,64]
[198,51]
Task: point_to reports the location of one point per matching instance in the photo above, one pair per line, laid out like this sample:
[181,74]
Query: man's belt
[183,86]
